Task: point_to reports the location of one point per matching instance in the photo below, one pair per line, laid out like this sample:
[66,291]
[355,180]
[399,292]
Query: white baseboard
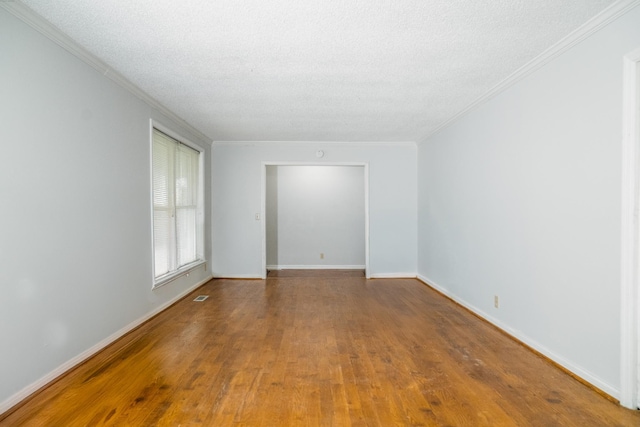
[393,276]
[237,276]
[577,370]
[315,267]
[37,385]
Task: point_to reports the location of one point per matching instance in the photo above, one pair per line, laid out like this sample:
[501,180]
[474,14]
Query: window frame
[200,256]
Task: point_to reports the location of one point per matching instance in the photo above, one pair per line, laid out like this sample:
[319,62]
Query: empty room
[269,213]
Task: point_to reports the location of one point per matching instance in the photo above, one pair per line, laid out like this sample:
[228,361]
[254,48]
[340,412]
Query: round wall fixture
[319,153]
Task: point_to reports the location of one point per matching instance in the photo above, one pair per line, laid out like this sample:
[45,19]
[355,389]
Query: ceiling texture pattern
[330,70]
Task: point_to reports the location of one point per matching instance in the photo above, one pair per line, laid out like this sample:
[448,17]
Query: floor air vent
[200,298]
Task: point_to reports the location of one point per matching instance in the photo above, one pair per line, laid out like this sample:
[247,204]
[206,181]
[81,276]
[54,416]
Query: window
[177,229]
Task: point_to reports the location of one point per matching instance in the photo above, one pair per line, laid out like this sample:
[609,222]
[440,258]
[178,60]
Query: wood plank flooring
[329,349]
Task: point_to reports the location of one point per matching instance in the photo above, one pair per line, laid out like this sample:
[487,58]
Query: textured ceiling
[329,70]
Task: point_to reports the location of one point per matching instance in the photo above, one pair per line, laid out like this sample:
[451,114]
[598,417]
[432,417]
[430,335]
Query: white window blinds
[175,204]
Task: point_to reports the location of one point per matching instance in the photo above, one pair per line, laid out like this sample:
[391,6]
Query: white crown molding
[35,21]
[608,15]
[314,143]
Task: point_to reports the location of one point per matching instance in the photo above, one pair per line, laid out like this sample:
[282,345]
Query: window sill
[182,271]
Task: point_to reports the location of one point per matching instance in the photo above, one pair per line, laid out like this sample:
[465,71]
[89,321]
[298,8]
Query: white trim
[263,215]
[577,370]
[150,200]
[614,11]
[321,163]
[630,229]
[367,266]
[62,369]
[185,270]
[315,267]
[393,276]
[53,33]
[263,203]
[239,276]
[314,143]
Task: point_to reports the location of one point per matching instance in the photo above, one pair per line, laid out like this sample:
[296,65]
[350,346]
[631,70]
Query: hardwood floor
[328,349]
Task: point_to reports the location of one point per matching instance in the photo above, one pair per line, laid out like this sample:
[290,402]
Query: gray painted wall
[75,223]
[521,199]
[237,197]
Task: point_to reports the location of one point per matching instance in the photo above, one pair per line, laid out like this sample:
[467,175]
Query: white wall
[75,222]
[237,186]
[521,199]
[313,210]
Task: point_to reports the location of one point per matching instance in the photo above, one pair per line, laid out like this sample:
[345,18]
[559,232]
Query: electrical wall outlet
[496,301]
[321,255]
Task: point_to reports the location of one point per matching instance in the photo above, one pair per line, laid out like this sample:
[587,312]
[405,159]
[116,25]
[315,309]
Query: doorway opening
[315,216]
